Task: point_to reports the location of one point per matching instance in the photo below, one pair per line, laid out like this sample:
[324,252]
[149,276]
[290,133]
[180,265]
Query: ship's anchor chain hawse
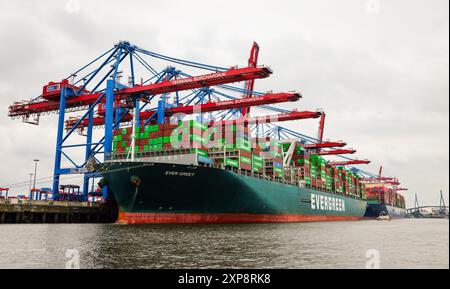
[135,180]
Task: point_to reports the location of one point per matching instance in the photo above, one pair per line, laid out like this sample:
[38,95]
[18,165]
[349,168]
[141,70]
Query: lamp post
[35,169]
[29,190]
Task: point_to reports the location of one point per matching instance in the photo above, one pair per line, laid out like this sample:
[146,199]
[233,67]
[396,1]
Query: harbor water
[406,243]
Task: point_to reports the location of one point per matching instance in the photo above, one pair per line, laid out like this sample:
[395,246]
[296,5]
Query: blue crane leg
[59,137]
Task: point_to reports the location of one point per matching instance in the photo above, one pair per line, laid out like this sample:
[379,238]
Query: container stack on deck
[232,146]
[156,138]
[272,153]
[339,173]
[384,195]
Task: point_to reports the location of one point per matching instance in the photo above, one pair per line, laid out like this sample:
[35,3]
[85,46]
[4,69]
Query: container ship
[222,165]
[382,199]
[177,176]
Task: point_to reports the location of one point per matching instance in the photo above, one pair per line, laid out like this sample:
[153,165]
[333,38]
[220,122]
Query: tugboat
[384,217]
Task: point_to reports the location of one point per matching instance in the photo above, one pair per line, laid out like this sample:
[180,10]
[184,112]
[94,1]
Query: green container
[278,170]
[229,146]
[257,158]
[257,164]
[256,169]
[194,124]
[246,161]
[151,128]
[196,138]
[243,142]
[202,153]
[232,163]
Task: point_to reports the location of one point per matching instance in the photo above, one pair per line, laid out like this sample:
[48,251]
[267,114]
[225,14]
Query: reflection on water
[401,244]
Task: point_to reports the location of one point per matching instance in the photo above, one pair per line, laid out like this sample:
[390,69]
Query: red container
[168,132]
[246,154]
[245,167]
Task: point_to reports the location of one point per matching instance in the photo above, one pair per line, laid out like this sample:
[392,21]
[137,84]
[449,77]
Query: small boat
[384,217]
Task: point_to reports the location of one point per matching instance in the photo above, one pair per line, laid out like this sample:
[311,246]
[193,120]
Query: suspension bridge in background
[441,211]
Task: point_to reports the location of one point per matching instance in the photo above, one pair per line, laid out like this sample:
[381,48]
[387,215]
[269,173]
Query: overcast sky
[379,69]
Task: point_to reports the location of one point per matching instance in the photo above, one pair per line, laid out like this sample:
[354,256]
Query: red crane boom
[335,152]
[294,115]
[351,162]
[326,144]
[229,76]
[269,98]
[378,179]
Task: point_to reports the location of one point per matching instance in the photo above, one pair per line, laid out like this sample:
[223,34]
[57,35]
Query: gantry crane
[96,90]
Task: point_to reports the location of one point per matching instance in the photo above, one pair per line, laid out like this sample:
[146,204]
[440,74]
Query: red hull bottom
[198,218]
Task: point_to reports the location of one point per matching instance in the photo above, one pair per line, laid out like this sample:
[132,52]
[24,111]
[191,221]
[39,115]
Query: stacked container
[318,172]
[160,138]
[232,147]
[329,177]
[272,154]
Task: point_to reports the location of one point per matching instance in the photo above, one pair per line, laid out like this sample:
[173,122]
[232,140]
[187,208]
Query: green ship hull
[173,193]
